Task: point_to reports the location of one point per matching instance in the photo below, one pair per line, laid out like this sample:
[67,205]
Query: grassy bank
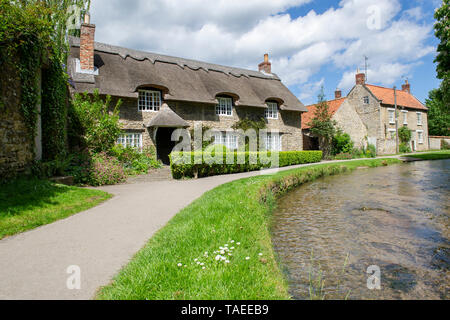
[26,204]
[439,155]
[190,257]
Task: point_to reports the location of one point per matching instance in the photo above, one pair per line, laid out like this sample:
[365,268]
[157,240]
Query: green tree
[439,99]
[98,124]
[62,14]
[438,114]
[442,32]
[322,125]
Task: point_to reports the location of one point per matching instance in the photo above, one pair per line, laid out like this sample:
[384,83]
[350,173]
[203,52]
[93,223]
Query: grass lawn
[29,203]
[439,155]
[236,216]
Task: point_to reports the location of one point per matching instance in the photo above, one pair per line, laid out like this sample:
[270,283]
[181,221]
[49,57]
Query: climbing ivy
[24,38]
[54,110]
[33,37]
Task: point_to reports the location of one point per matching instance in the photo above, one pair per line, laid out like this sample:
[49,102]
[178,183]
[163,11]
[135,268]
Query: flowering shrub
[96,169]
[105,170]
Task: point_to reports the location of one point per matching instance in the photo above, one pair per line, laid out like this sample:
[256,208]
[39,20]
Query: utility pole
[396,121]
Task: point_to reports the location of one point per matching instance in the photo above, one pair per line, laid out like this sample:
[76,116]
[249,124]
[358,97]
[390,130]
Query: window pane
[225,107]
[149,100]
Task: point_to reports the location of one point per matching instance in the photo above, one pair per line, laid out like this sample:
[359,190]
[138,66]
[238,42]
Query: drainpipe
[396,121]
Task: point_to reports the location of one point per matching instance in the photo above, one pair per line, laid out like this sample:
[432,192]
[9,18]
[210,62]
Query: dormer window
[149,100]
[272,110]
[225,107]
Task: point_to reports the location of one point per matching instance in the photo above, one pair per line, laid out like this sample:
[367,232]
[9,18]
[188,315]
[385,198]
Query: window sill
[148,111]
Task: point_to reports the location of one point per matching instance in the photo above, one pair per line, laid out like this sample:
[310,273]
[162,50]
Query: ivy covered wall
[34,79]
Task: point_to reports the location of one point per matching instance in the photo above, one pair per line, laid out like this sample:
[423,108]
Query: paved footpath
[33,265]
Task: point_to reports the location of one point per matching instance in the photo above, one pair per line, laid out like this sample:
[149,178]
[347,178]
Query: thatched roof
[167,118]
[121,72]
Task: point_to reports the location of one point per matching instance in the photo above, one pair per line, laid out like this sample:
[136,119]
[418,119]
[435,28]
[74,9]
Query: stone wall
[411,122]
[436,142]
[288,123]
[367,128]
[349,121]
[16,148]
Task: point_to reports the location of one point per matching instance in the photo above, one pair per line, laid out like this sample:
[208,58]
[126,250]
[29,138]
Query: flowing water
[395,218]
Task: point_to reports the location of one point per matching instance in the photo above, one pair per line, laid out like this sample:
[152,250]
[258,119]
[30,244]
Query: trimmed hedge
[190,170]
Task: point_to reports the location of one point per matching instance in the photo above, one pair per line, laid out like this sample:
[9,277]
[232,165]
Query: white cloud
[387,74]
[238,33]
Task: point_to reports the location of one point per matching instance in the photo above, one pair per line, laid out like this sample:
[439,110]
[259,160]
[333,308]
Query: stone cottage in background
[367,114]
[162,93]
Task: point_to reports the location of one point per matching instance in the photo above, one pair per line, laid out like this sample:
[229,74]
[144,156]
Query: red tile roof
[333,105]
[404,99]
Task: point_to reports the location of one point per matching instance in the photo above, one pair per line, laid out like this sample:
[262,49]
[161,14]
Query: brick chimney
[360,78]
[406,87]
[87,44]
[265,66]
[338,94]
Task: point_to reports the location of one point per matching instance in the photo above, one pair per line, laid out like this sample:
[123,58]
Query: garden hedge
[180,169]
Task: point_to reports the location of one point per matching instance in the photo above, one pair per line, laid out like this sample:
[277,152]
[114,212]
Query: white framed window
[366,100]
[405,117]
[227,139]
[225,107]
[273,142]
[149,100]
[419,118]
[272,110]
[391,116]
[130,140]
[420,136]
[391,133]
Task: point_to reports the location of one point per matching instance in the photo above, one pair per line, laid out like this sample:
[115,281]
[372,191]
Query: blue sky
[311,42]
[422,77]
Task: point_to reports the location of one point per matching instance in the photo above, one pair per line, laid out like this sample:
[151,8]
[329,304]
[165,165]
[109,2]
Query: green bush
[342,143]
[404,134]
[404,148]
[60,166]
[96,125]
[189,169]
[444,145]
[371,151]
[134,161]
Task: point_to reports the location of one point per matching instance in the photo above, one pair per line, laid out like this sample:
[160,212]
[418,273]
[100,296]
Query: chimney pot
[338,94]
[406,87]
[87,18]
[265,66]
[87,37]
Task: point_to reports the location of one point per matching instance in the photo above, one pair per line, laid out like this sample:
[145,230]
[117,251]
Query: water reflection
[394,217]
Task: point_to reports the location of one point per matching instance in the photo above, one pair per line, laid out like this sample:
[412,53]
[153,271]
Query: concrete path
[33,265]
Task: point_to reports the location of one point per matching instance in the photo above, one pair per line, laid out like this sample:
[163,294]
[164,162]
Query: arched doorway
[164,144]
